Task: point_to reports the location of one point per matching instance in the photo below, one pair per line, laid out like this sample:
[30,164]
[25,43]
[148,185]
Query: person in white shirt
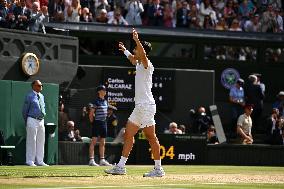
[36,19]
[143,114]
[244,125]
[134,8]
[173,129]
[253,24]
[279,20]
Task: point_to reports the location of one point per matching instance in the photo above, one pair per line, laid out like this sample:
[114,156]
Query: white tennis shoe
[104,162]
[116,170]
[42,164]
[155,173]
[92,163]
[32,164]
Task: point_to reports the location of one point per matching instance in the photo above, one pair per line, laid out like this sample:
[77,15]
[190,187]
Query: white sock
[122,161]
[158,164]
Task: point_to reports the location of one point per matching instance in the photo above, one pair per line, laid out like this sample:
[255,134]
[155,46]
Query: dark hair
[147,46]
[248,106]
[32,84]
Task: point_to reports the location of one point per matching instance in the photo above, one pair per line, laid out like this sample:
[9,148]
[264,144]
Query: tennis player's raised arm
[127,53]
[140,49]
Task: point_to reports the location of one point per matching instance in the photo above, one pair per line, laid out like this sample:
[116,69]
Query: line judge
[33,114]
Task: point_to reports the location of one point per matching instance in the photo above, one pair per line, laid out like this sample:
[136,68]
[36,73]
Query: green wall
[12,94]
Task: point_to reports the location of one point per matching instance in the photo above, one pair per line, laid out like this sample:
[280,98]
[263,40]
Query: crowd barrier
[182,150]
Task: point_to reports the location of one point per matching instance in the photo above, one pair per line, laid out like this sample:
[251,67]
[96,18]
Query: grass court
[177,176]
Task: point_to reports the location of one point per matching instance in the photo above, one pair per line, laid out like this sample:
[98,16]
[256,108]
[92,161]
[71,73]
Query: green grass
[193,177]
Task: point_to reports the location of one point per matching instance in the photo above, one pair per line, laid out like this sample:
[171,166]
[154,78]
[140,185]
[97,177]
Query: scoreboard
[120,86]
[164,88]
[120,83]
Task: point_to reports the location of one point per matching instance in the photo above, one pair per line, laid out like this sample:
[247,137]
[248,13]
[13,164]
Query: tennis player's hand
[135,34]
[121,47]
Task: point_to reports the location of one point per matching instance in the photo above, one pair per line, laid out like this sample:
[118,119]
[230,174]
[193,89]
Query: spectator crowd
[246,101]
[230,15]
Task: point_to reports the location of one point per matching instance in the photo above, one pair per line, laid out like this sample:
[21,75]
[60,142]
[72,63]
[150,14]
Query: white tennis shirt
[143,84]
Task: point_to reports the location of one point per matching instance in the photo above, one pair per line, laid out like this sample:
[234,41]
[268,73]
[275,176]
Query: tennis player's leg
[150,134]
[130,131]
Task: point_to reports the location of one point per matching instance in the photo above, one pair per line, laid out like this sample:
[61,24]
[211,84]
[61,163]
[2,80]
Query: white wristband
[127,53]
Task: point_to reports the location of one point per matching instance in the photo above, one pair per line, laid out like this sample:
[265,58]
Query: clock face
[30,64]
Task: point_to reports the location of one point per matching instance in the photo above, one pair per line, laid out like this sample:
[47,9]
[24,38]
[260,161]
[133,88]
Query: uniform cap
[101,87]
[240,81]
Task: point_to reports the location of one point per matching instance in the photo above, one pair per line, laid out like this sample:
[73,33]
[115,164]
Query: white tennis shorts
[143,115]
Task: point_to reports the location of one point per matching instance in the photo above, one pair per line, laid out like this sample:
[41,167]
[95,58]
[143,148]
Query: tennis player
[143,114]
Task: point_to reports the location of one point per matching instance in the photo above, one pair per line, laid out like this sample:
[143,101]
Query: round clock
[30,64]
